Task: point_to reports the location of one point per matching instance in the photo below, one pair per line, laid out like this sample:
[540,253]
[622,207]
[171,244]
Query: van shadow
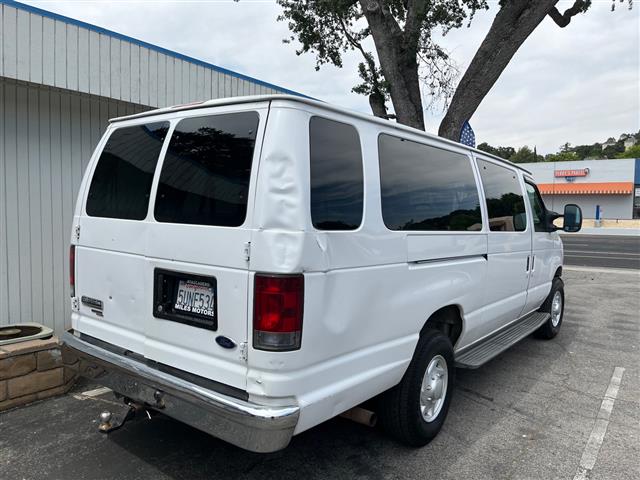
[337,449]
[342,449]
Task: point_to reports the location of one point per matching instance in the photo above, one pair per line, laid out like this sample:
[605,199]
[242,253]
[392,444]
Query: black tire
[548,330]
[399,409]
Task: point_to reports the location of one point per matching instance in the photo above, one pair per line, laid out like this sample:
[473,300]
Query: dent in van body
[279,242]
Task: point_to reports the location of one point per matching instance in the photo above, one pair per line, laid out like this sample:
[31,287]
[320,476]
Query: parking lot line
[92,393]
[609,257]
[592,448]
[599,252]
[623,271]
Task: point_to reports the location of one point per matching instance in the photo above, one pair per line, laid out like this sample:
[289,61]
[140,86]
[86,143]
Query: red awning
[604,188]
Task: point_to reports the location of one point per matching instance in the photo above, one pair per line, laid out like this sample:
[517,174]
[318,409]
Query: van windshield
[206,171]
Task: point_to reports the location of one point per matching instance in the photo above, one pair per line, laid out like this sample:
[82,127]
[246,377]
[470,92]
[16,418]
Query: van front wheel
[414,410]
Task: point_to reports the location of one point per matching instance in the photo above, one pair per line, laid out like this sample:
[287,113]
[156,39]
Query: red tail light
[277,312]
[72,269]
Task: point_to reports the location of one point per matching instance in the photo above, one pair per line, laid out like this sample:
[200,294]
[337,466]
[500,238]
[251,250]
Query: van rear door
[175,282]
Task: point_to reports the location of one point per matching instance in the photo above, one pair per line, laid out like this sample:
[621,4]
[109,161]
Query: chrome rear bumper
[254,427]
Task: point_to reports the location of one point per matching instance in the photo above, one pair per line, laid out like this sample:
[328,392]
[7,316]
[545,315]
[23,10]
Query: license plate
[186,298]
[195,296]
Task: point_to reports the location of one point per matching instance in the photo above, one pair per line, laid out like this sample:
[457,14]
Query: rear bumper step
[254,427]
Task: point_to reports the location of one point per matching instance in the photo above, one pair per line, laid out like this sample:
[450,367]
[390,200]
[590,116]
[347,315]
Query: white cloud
[579,84]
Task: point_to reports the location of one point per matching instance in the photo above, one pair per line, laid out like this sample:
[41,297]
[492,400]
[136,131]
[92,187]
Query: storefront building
[611,187]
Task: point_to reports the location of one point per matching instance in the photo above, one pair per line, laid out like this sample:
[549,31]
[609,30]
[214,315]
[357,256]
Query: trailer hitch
[110,422]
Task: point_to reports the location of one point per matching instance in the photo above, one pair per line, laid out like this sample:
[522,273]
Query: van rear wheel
[413,411]
[554,306]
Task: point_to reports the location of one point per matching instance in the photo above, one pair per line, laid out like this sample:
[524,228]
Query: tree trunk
[378,107]
[513,24]
[399,64]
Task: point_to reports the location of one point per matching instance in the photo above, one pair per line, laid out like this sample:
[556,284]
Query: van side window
[205,175]
[122,179]
[537,206]
[503,194]
[426,188]
[337,185]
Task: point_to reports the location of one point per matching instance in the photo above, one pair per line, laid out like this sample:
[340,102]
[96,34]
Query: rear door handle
[528,262]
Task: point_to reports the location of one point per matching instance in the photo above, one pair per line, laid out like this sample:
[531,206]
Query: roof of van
[315,103]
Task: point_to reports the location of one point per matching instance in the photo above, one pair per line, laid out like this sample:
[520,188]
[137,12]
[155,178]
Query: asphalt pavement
[568,408]
[612,251]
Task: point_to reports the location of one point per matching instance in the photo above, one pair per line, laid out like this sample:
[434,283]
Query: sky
[579,84]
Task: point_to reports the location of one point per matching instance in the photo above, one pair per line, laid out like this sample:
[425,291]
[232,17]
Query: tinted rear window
[122,179]
[205,176]
[336,175]
[426,188]
[505,202]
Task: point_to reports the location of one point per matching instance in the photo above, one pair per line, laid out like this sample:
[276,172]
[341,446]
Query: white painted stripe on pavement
[92,393]
[592,448]
[600,252]
[603,257]
[96,392]
[578,268]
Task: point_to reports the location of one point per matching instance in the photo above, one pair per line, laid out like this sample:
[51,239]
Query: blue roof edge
[111,33]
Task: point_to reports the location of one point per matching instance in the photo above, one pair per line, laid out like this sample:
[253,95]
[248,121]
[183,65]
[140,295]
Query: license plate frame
[166,285]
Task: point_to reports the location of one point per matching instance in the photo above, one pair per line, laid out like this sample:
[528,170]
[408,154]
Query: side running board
[479,354]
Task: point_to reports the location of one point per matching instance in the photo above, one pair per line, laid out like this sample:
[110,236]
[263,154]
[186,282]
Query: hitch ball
[105,421]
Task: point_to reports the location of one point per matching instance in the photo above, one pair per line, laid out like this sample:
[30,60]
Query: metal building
[60,81]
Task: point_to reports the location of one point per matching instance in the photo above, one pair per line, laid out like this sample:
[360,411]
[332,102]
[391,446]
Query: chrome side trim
[449,259]
[254,427]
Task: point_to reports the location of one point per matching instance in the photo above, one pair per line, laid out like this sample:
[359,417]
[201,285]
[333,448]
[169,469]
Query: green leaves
[331,28]
[325,27]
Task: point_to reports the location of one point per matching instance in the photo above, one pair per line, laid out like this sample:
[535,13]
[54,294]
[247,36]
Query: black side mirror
[572,218]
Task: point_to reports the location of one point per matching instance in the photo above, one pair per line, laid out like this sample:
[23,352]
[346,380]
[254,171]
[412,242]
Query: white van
[255,266]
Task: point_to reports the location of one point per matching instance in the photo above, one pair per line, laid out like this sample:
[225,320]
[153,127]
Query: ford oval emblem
[225,342]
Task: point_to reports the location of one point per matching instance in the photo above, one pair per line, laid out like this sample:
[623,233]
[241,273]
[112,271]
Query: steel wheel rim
[556,309]
[433,390]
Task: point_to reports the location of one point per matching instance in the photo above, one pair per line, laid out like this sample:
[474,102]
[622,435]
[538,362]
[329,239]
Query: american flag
[467,137]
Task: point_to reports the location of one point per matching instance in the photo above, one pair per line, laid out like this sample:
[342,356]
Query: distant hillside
[626,146]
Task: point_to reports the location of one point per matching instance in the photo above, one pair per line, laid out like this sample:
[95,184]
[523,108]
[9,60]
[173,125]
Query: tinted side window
[205,176]
[537,206]
[505,202]
[122,179]
[336,175]
[426,188]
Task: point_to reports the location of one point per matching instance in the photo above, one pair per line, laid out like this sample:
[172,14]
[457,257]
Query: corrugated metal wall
[46,139]
[52,52]
[60,81]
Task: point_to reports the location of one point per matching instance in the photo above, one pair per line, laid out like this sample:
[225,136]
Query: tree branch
[399,66]
[376,99]
[358,46]
[511,26]
[413,20]
[377,8]
[563,19]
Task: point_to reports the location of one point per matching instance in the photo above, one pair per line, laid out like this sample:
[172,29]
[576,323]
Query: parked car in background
[255,266]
